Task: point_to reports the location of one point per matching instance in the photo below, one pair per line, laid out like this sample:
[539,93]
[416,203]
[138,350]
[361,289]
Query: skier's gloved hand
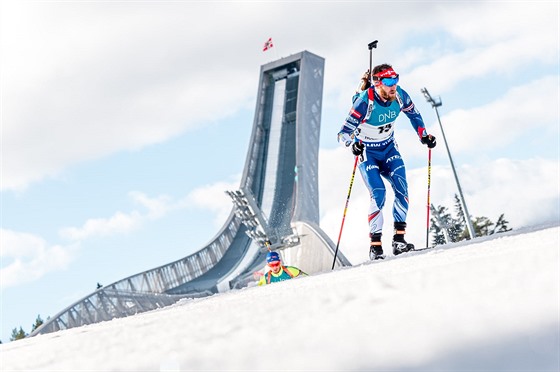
[429,140]
[357,148]
[365,83]
[345,138]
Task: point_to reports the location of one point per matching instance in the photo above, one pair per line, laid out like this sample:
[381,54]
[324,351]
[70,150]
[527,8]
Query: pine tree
[439,216]
[459,212]
[501,225]
[482,226]
[462,230]
[37,324]
[456,228]
[18,334]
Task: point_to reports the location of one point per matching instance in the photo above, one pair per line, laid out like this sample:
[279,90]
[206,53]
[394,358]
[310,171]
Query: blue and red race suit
[372,121]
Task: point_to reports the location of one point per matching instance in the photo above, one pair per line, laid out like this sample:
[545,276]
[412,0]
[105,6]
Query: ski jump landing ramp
[277,206]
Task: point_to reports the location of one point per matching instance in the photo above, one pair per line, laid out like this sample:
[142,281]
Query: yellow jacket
[285,273]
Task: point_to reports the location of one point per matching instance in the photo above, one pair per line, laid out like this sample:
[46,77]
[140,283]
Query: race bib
[371,133]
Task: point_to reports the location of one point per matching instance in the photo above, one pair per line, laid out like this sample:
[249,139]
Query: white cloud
[118,223]
[209,197]
[501,22]
[103,87]
[517,124]
[121,222]
[449,70]
[129,75]
[29,258]
[523,113]
[16,244]
[213,198]
[507,39]
[527,191]
[157,207]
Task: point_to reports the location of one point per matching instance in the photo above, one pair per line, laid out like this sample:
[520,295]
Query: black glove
[429,140]
[357,148]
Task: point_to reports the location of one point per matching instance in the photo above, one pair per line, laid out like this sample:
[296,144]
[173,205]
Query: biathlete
[369,131]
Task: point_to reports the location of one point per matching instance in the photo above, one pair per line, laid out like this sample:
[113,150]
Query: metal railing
[144,291]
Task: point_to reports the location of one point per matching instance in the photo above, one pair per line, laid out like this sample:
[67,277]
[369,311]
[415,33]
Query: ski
[373,257]
[420,249]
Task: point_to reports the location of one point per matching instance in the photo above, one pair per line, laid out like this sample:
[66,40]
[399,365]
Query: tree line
[446,228]
[18,334]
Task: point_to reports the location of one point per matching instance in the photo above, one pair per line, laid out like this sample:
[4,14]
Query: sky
[484,306]
[123,123]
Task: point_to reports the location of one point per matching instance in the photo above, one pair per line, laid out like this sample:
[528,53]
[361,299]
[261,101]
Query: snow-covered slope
[489,305]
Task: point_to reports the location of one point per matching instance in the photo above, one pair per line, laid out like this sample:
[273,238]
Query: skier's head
[272,257]
[273,261]
[385,80]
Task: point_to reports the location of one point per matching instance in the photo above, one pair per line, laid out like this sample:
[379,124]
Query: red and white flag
[268,44]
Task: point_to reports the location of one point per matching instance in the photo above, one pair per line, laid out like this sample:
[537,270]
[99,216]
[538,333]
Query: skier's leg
[372,179]
[394,170]
[399,244]
[375,249]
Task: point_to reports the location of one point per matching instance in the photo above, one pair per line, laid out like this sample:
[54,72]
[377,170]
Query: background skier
[278,272]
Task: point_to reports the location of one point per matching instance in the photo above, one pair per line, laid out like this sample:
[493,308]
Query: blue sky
[123,123]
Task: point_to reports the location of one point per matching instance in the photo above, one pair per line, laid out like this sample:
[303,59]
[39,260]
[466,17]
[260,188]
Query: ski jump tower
[276,207]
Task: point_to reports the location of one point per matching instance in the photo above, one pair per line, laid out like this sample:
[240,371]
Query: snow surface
[489,305]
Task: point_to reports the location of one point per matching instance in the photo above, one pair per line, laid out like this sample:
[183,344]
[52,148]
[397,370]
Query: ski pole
[428,205]
[345,209]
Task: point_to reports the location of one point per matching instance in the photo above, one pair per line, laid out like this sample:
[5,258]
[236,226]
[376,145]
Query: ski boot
[399,244]
[375,249]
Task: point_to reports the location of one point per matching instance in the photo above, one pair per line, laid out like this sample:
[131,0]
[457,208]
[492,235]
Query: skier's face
[387,93]
[274,266]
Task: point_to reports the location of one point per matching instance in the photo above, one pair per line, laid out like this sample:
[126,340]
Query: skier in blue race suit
[369,132]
